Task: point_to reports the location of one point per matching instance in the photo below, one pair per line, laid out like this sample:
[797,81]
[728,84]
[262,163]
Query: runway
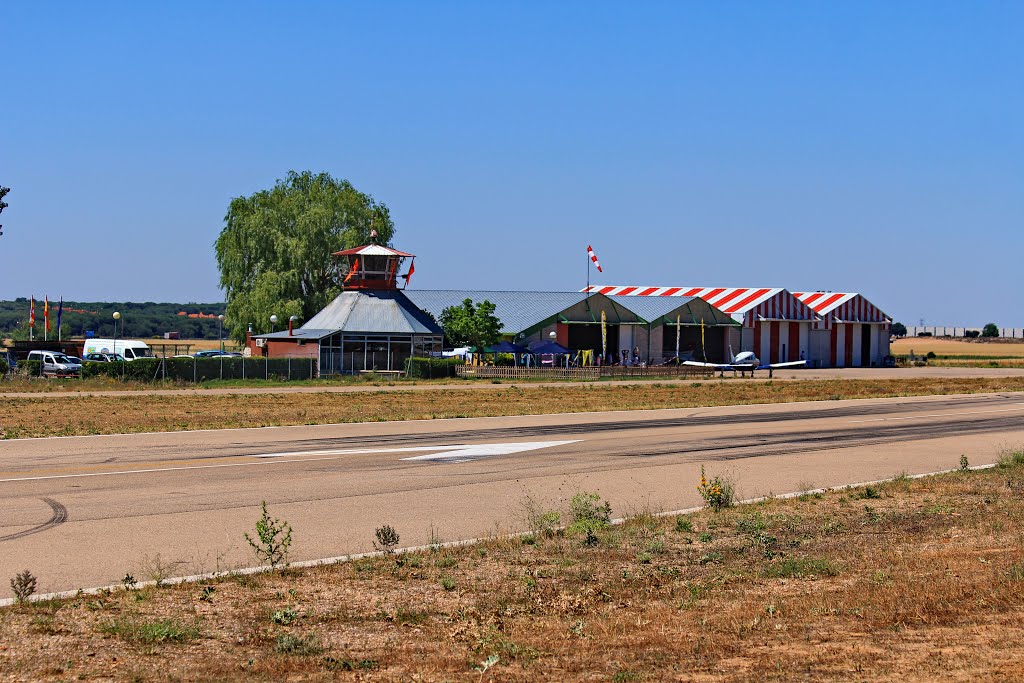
[84,511]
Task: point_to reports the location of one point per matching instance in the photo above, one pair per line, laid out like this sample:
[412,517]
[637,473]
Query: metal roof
[370,250]
[298,333]
[729,299]
[843,306]
[383,311]
[517,311]
[690,309]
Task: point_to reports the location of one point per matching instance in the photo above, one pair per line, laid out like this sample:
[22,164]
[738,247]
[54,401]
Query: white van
[128,348]
[55,363]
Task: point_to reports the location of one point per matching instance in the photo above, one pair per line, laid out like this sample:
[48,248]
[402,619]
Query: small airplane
[744,362]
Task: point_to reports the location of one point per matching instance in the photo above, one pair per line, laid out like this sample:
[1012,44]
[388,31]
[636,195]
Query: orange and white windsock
[593,257]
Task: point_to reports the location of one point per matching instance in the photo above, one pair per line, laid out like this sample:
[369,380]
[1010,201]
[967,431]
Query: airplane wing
[716,366]
[776,366]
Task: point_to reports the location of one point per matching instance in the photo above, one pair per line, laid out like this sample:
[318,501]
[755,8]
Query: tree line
[140,320]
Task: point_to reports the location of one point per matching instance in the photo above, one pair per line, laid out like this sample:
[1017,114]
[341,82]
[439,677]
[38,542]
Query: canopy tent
[548,347]
[506,347]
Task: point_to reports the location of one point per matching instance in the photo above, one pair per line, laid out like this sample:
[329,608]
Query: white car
[55,363]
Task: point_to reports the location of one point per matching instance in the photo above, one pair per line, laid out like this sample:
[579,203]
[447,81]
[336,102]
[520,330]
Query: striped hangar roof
[843,306]
[742,303]
[690,309]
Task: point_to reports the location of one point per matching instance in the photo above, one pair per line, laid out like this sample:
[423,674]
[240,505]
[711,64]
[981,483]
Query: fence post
[289,368]
[222,367]
[243,367]
[266,368]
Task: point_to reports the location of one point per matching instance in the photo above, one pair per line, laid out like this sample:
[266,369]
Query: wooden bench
[392,373]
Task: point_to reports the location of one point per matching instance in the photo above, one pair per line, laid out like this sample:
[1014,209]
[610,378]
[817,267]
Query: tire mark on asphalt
[59,516]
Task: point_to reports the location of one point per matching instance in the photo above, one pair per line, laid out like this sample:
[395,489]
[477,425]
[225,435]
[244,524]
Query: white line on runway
[458,453]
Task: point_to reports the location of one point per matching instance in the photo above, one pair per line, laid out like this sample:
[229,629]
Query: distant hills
[141,320]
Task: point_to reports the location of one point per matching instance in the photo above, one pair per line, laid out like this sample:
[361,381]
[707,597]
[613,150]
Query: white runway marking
[449,453]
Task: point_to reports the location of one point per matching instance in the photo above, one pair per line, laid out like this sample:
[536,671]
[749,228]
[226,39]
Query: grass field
[912,580]
[77,415]
[959,348]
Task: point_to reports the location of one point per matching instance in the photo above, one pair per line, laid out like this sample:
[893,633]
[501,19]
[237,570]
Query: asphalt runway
[84,511]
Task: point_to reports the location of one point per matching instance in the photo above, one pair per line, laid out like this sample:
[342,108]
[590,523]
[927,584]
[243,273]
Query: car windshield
[142,353]
[60,358]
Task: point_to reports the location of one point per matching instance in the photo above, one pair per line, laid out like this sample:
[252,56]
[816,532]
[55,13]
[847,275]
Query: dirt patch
[918,580]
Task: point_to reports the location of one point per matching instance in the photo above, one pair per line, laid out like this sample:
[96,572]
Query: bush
[428,368]
[204,369]
[972,334]
[588,514]
[924,334]
[30,368]
[990,330]
[23,585]
[273,538]
[931,355]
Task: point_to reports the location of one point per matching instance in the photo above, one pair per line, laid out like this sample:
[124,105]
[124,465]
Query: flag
[593,257]
[60,312]
[412,269]
[32,313]
[46,312]
[352,271]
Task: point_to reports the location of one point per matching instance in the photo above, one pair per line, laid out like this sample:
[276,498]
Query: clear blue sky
[858,146]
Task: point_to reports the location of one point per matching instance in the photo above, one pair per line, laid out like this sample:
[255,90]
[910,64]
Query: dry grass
[77,415]
[958,347]
[916,580]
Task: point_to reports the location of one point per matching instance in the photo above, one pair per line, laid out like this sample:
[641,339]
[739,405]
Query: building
[575,318]
[852,331]
[773,323]
[371,325]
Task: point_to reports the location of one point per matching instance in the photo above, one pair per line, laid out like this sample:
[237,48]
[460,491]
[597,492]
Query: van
[55,363]
[128,348]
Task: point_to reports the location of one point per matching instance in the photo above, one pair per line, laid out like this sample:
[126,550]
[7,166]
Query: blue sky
[869,146]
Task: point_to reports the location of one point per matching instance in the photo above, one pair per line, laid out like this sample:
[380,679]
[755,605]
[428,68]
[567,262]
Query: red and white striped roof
[843,307]
[742,303]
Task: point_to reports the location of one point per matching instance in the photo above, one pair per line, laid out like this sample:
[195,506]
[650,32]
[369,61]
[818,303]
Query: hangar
[773,323]
[575,318]
[851,332]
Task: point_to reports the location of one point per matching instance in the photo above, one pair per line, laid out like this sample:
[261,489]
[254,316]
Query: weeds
[800,568]
[23,585]
[589,515]
[149,632]
[273,538]
[965,466]
[684,525]
[718,494]
[302,646]
[284,617]
[1010,458]
[868,493]
[387,539]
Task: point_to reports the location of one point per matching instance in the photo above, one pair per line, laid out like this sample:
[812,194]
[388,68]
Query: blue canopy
[505,347]
[546,347]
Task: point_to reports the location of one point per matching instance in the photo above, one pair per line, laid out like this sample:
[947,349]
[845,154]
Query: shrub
[4,367]
[588,514]
[273,538]
[718,493]
[990,330]
[931,355]
[972,334]
[683,525]
[387,539]
[965,466]
[30,368]
[23,585]
[291,644]
[428,368]
[1009,459]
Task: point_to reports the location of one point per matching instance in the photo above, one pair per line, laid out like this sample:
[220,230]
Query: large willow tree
[274,252]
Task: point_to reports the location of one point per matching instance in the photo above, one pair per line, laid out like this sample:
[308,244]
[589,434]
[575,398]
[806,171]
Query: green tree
[990,330]
[3,204]
[471,324]
[274,253]
[898,330]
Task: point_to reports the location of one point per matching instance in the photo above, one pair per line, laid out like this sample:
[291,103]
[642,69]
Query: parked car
[55,363]
[103,357]
[210,353]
